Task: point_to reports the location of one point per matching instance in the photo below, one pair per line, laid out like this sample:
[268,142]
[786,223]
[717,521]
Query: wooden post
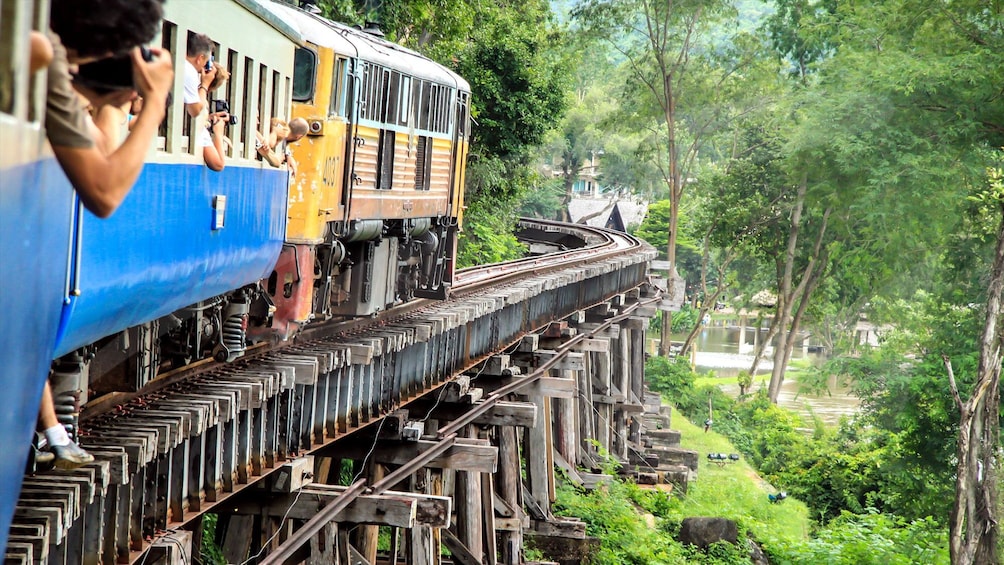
[421,548]
[565,425]
[324,546]
[369,534]
[537,444]
[507,484]
[584,408]
[604,421]
[470,520]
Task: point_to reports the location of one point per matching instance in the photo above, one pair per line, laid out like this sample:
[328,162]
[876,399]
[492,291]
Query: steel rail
[415,464]
[536,375]
[287,549]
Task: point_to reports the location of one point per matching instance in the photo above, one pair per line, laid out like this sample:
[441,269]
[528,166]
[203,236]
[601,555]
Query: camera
[111,74]
[209,63]
[223,106]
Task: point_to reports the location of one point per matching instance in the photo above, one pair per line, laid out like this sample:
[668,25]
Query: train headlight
[316,127]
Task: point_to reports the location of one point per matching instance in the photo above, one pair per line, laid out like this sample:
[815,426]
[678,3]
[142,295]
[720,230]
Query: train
[198,263]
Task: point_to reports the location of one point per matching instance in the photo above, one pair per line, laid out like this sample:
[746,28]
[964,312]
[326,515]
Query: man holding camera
[199,73]
[87,31]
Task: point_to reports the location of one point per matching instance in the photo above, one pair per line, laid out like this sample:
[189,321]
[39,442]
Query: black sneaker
[71,456]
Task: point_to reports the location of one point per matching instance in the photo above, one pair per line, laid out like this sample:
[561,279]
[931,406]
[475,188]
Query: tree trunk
[973,523]
[758,350]
[784,294]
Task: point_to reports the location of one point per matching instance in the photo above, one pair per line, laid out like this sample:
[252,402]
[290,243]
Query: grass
[735,491]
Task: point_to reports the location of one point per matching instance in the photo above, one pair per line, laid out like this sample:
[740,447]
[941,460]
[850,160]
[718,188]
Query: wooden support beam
[293,475]
[570,361]
[503,413]
[465,455]
[560,528]
[551,387]
[392,508]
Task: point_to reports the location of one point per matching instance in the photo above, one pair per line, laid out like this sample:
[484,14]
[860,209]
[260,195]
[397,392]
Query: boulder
[703,531]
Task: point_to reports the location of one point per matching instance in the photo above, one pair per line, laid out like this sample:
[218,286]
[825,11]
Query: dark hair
[199,44]
[99,27]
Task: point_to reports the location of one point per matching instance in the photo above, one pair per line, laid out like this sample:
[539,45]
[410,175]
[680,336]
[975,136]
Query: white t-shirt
[193,81]
[205,138]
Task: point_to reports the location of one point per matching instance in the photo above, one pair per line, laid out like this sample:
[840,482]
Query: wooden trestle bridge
[439,422]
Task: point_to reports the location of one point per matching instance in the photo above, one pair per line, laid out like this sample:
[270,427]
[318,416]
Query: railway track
[193,440]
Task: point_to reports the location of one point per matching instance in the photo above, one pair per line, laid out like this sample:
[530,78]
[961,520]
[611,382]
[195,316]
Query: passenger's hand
[154,78]
[208,76]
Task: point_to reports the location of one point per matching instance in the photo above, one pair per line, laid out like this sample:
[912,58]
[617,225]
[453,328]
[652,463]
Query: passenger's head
[221,77]
[200,47]
[297,129]
[95,29]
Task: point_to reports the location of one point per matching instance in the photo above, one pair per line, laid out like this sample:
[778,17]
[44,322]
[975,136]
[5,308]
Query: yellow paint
[315,192]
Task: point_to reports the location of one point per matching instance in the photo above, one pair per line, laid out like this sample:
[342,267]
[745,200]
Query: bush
[869,539]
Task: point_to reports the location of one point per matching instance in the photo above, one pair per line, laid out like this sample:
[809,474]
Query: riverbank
[735,490]
[830,407]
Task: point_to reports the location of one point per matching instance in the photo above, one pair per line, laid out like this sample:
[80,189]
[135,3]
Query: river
[719,349]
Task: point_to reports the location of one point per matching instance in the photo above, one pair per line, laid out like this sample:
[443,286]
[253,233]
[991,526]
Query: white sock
[56,435]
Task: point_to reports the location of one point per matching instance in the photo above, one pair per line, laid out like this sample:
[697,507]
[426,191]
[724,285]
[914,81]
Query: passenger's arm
[205,79]
[266,152]
[104,181]
[215,154]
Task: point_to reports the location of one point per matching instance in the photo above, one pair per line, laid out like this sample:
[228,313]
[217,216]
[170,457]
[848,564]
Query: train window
[437,109]
[10,39]
[462,110]
[168,35]
[424,116]
[286,93]
[374,96]
[392,82]
[304,74]
[363,89]
[235,100]
[404,102]
[423,163]
[449,109]
[336,106]
[247,107]
[385,166]
[276,95]
[262,122]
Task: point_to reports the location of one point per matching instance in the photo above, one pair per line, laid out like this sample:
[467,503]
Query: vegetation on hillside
[846,157]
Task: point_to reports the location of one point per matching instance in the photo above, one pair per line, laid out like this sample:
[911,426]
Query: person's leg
[68,454]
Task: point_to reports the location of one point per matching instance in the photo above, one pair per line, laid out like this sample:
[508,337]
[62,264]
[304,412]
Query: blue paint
[35,223]
[159,252]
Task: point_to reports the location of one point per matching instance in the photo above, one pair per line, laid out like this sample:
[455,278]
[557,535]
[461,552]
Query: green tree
[662,43]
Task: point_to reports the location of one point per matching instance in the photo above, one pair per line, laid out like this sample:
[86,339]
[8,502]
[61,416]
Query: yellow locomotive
[375,205]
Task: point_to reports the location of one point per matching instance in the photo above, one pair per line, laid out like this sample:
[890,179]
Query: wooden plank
[392,508]
[503,413]
[591,344]
[237,539]
[465,455]
[560,528]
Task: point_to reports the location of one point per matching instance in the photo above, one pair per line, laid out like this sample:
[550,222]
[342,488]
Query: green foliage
[870,539]
[210,553]
[612,516]
[674,379]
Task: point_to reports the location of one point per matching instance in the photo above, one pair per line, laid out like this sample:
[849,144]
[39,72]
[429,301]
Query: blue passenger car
[184,236]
